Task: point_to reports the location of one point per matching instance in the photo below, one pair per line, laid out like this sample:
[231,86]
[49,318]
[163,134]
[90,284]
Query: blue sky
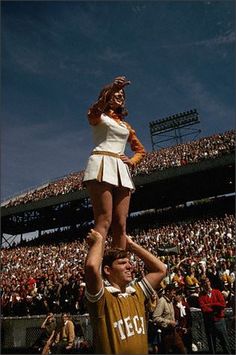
[56,56]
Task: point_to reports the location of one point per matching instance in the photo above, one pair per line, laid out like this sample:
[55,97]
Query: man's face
[52,319]
[64,318]
[206,285]
[120,272]
[177,298]
[172,294]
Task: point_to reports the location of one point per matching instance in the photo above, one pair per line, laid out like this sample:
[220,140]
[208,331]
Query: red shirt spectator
[212,301]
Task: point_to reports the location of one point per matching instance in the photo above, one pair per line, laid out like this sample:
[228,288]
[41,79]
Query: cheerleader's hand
[120,82]
[126,160]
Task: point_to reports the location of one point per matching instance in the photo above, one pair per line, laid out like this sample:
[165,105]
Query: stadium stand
[183,154]
[46,274]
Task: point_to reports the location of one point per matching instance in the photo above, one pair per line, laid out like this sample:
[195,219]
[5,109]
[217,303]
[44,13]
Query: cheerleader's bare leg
[121,202]
[101,197]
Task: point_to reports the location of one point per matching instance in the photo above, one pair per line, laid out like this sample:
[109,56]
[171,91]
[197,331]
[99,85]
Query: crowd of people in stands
[46,276]
[179,155]
[69,183]
[187,153]
[50,277]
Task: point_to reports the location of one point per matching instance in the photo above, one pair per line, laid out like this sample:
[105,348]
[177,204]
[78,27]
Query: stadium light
[177,120]
[174,123]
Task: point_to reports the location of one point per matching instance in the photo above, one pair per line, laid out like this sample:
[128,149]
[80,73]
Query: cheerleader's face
[117,100]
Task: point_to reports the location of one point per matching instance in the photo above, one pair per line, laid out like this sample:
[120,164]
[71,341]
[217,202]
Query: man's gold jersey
[118,319]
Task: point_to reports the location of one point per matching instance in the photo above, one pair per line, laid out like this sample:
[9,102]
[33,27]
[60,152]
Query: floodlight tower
[174,127]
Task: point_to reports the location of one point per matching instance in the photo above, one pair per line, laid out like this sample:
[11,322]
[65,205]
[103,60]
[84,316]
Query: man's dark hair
[204,281]
[179,292]
[169,288]
[111,255]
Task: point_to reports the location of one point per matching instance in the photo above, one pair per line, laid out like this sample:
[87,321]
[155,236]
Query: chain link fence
[199,334]
[23,332]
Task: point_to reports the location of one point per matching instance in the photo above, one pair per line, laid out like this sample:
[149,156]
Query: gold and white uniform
[118,319]
[110,136]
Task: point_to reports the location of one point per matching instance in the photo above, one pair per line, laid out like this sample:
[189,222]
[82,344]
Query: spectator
[192,293]
[153,333]
[184,320]
[212,304]
[65,336]
[164,316]
[214,276]
[48,326]
[178,278]
[191,279]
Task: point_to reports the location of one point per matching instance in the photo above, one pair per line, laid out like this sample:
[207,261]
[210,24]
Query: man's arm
[93,262]
[43,326]
[156,268]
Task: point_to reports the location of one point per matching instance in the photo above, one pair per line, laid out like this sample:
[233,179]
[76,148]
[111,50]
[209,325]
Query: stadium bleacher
[46,274]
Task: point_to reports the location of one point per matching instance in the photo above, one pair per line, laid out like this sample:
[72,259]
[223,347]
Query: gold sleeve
[136,146]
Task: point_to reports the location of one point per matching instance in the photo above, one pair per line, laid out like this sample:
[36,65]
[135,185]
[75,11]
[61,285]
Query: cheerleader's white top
[110,135]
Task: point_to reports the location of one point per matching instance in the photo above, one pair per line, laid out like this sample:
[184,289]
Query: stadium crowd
[187,153]
[182,154]
[37,279]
